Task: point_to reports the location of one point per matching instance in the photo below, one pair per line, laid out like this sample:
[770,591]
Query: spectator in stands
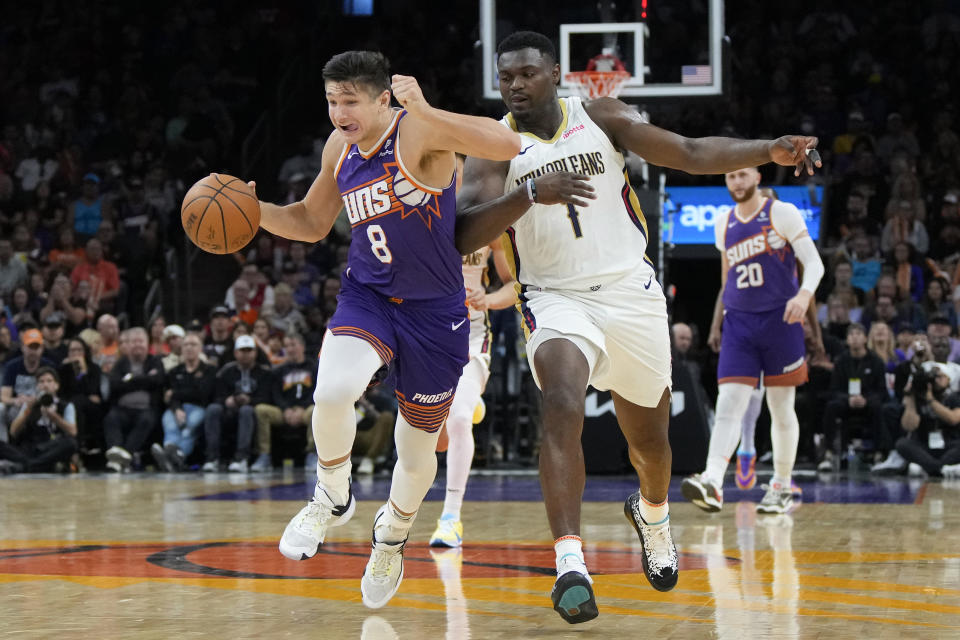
[158,346]
[6,340]
[59,304]
[101,273]
[843,285]
[134,213]
[866,264]
[316,327]
[284,316]
[909,276]
[87,212]
[136,383]
[218,345]
[82,384]
[243,311]
[189,389]
[109,352]
[906,186]
[173,335]
[21,312]
[935,302]
[305,161]
[903,226]
[294,381]
[931,445]
[897,139]
[13,271]
[902,310]
[44,432]
[19,382]
[67,254]
[54,347]
[944,228]
[858,390]
[240,386]
[39,165]
[856,219]
[331,288]
[880,342]
[837,316]
[939,327]
[261,293]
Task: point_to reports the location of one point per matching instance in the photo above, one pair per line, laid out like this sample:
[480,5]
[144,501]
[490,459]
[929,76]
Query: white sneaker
[950,471]
[211,466]
[239,466]
[702,493]
[120,456]
[892,465]
[365,468]
[262,463]
[305,532]
[115,467]
[916,471]
[384,571]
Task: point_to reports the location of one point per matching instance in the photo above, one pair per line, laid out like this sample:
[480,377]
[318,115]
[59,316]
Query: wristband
[531,191]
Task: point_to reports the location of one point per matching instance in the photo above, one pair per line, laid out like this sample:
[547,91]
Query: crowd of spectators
[109,116]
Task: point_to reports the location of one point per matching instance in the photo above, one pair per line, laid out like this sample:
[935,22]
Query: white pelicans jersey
[562,247]
[475,276]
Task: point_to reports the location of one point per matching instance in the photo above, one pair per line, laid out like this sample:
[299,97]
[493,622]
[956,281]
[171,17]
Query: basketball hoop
[595,84]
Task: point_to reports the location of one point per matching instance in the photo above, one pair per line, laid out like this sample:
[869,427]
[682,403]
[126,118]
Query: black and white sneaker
[702,493]
[305,532]
[573,599]
[659,559]
[776,500]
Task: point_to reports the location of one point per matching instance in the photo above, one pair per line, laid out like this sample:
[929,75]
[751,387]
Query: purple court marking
[511,488]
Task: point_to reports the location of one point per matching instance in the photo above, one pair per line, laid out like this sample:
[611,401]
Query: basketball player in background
[746,472]
[401,301]
[458,430]
[592,308]
[762,305]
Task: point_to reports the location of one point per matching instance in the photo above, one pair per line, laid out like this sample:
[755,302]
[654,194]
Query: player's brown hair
[368,69]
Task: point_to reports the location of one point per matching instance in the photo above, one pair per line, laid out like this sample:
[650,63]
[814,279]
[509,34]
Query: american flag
[696,74]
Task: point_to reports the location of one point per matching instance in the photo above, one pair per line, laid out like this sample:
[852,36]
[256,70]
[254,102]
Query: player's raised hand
[564,187]
[407,91]
[796,151]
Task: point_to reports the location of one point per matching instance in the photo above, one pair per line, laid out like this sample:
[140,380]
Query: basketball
[220,213]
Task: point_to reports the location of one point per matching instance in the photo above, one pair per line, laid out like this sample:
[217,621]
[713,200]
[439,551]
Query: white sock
[732,402]
[784,432]
[393,525]
[654,513]
[460,431]
[569,550]
[335,481]
[748,427]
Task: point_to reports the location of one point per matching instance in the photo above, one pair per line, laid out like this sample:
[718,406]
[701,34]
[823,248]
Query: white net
[594,84]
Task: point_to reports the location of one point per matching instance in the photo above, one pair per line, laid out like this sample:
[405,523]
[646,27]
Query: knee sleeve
[732,401]
[416,466]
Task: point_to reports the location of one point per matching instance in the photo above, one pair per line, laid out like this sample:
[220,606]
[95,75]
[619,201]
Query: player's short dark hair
[47,371]
[369,69]
[528,40]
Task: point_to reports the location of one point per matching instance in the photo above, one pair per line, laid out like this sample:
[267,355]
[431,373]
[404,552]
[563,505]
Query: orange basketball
[220,213]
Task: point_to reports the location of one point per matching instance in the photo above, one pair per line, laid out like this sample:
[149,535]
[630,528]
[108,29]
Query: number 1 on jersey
[574,216]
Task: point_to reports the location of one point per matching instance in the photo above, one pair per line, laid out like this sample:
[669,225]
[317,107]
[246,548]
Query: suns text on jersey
[746,249]
[589,164]
[368,201]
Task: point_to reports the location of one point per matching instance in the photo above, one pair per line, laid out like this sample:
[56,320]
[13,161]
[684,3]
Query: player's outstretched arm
[310,219]
[658,146]
[438,130]
[484,210]
[506,295]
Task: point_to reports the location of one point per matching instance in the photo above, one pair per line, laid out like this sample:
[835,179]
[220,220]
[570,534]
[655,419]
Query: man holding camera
[240,386]
[19,385]
[932,442]
[44,432]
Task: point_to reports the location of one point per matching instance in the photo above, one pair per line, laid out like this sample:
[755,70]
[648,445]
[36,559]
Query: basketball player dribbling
[760,241]
[592,307]
[401,299]
[458,429]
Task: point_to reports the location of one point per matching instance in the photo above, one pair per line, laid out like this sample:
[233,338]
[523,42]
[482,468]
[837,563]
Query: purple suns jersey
[762,273]
[402,242]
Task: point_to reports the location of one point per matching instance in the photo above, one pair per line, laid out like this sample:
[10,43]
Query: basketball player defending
[760,241]
[458,431]
[401,299]
[592,308]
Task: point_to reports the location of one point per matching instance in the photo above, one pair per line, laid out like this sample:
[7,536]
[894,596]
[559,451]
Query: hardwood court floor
[191,556]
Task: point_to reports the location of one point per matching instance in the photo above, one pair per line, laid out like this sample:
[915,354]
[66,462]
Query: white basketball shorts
[621,329]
